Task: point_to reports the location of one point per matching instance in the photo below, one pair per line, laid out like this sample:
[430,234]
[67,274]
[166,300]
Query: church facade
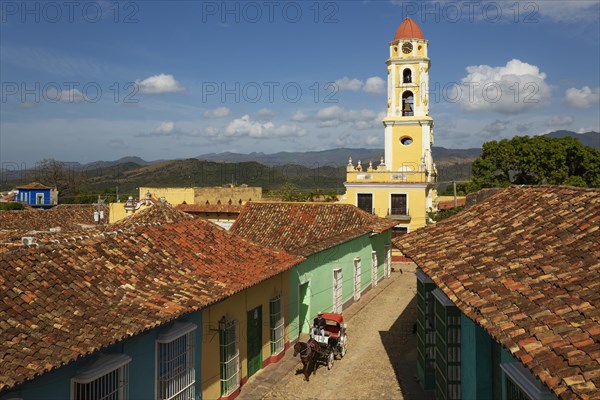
[401,185]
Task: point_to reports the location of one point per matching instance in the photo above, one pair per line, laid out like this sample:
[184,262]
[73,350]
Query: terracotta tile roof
[66,216]
[304,228]
[210,208]
[525,265]
[447,204]
[157,213]
[34,185]
[61,302]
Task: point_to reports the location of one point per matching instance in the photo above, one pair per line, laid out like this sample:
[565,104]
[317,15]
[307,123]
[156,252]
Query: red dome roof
[408,29]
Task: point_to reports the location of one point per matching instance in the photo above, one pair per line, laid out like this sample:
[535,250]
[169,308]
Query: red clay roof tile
[61,302]
[536,249]
[305,228]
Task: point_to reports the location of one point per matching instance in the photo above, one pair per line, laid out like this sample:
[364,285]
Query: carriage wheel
[343,350]
[330,360]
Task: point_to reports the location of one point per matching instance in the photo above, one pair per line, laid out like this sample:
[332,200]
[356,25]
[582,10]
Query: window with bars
[176,363]
[425,330]
[277,325]
[521,384]
[447,344]
[230,358]
[107,378]
[514,392]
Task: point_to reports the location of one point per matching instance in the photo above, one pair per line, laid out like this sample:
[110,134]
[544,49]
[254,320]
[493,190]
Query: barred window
[277,325]
[107,378]
[175,363]
[230,358]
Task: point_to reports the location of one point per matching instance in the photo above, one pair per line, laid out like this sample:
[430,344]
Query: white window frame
[338,301]
[177,379]
[373,268]
[277,325]
[95,377]
[357,278]
[387,269]
[39,199]
[230,366]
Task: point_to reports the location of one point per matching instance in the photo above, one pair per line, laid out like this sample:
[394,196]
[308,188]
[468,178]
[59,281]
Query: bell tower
[401,186]
[408,126]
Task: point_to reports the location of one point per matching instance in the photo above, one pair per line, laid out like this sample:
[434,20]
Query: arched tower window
[407,104]
[407,76]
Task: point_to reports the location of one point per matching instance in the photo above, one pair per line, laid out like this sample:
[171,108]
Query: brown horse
[309,352]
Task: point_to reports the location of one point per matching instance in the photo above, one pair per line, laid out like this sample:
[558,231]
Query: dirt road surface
[381,358]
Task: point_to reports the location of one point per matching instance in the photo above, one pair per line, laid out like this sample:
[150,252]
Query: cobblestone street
[381,358]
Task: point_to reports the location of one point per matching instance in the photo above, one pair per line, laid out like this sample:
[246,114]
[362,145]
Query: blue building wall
[142,368]
[29,196]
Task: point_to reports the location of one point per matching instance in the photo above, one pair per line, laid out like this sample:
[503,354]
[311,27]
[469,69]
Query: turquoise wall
[318,268]
[141,348]
[476,361]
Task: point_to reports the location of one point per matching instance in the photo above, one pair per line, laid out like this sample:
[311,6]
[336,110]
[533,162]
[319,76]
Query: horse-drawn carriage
[323,349]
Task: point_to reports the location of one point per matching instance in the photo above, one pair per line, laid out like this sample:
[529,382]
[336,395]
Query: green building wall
[316,272]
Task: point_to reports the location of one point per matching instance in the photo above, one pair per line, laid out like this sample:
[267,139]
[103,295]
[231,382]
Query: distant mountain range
[591,139]
[313,169]
[339,157]
[332,157]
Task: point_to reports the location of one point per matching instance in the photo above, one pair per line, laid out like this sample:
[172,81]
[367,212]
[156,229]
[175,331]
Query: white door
[337,291]
[388,261]
[357,278]
[373,268]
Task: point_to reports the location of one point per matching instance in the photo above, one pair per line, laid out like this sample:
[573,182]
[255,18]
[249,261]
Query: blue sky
[99,80]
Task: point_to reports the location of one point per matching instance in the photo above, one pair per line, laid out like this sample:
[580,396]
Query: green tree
[537,160]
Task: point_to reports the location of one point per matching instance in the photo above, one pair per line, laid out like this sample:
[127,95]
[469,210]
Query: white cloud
[159,84]
[373,140]
[589,129]
[218,112]
[64,96]
[346,83]
[511,89]
[212,131]
[299,116]
[330,113]
[244,126]
[582,98]
[165,128]
[558,120]
[568,11]
[360,119]
[265,114]
[375,85]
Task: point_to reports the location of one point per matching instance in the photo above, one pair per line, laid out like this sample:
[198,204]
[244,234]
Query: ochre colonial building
[401,186]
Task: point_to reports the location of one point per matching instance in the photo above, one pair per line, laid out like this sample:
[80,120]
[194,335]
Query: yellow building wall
[236,308]
[116,212]
[173,195]
[382,203]
[224,194]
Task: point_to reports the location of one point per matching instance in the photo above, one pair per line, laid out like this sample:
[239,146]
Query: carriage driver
[319,325]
